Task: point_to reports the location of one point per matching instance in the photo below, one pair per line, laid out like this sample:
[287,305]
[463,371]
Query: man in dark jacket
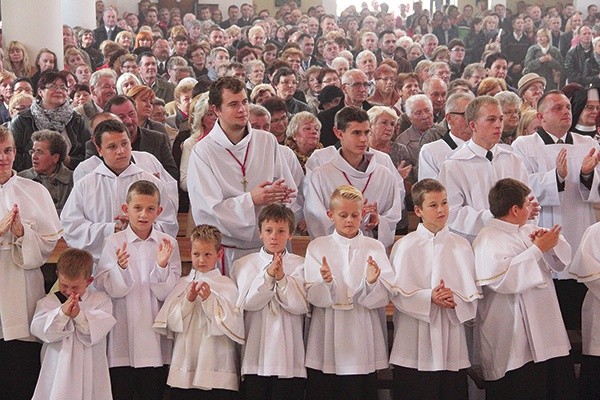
[577,56]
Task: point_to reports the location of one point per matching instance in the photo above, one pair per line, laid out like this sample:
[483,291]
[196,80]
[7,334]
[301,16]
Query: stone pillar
[36,24]
[79,13]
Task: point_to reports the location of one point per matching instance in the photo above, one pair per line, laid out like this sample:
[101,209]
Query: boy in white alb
[586,269]
[73,324]
[272,295]
[138,268]
[435,294]
[520,334]
[347,336]
[201,314]
[353,166]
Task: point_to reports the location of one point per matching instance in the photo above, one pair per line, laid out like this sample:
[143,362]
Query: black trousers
[411,384]
[320,386]
[19,369]
[552,379]
[256,387]
[145,383]
[589,378]
[197,394]
[570,294]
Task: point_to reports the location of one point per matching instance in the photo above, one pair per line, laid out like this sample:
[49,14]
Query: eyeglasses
[457,113]
[288,83]
[36,152]
[458,50]
[52,86]
[359,84]
[387,79]
[592,108]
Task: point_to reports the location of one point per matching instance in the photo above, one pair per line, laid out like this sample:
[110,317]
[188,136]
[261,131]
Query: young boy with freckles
[138,268]
[201,315]
[73,324]
[347,278]
[435,294]
[272,295]
[520,333]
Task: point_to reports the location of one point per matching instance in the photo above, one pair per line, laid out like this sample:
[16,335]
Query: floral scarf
[291,143]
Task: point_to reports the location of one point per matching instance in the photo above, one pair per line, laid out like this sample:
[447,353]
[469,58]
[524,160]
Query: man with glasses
[433,154]
[285,83]
[355,86]
[564,176]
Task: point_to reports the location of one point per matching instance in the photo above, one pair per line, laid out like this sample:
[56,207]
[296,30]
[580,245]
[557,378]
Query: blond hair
[345,192]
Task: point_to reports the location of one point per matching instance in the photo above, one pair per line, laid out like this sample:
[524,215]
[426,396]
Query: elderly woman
[126,81]
[73,58]
[144,97]
[528,124]
[386,93]
[313,87]
[125,39]
[255,74]
[545,60]
[414,52]
[474,74]
[81,95]
[303,132]
[183,97]
[511,105]
[19,102]
[261,92]
[52,110]
[407,85]
[17,60]
[531,88]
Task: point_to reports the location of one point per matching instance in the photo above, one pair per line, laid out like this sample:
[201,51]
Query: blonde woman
[16,60]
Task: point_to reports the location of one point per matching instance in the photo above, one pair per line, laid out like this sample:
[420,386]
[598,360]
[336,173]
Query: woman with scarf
[51,110]
[545,60]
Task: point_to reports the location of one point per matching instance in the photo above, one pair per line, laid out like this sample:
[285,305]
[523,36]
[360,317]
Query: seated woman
[510,104]
[17,60]
[44,61]
[491,86]
[303,133]
[126,81]
[52,110]
[528,124]
[183,97]
[143,98]
[386,93]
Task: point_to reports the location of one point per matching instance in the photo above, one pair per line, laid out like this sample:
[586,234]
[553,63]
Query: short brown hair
[207,233]
[75,263]
[215,93]
[142,187]
[277,213]
[424,186]
[505,194]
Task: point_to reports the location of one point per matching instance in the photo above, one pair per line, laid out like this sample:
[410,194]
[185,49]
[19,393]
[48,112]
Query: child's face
[205,256]
[346,216]
[274,235]
[142,211]
[434,211]
[68,286]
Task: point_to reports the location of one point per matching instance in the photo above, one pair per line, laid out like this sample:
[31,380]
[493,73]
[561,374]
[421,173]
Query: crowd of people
[482,121]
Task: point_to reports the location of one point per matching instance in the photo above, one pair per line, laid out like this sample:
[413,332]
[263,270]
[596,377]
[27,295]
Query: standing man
[235,171]
[109,30]
[234,15]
